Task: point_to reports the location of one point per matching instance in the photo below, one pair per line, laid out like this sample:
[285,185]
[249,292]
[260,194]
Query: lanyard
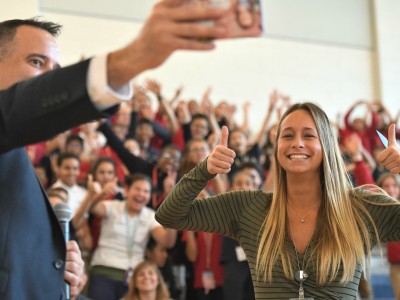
[301,275]
[131,227]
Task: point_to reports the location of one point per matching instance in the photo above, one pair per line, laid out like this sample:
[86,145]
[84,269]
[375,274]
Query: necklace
[302,218]
[301,275]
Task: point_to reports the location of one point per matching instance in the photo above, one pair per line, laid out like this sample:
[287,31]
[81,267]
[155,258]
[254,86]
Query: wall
[387,14]
[18,9]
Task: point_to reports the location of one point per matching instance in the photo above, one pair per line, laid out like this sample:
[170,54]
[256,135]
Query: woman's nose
[298,142]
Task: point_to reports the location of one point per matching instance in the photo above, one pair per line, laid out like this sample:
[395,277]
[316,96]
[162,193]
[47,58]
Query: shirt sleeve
[385,212]
[152,220]
[219,214]
[102,95]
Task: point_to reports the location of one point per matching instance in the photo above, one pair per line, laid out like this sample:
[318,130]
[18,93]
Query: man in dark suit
[38,100]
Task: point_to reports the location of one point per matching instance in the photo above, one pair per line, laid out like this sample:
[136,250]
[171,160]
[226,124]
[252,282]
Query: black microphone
[64,214]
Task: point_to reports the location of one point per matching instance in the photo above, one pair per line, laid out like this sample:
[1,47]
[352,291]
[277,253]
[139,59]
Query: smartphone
[383,139]
[244,18]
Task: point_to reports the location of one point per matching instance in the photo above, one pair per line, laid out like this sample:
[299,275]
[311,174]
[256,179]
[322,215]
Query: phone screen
[244,19]
[248,12]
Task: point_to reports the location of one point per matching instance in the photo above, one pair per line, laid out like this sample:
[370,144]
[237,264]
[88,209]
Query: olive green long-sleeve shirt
[240,215]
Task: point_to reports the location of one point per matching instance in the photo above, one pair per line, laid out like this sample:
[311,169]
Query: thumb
[224,136]
[392,135]
[90,179]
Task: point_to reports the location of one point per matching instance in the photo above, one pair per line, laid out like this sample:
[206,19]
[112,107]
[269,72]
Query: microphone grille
[63,212]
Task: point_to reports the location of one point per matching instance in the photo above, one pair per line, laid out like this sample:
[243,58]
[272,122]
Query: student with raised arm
[125,230]
[310,238]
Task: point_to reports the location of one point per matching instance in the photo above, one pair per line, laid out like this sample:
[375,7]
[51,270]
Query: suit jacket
[32,249]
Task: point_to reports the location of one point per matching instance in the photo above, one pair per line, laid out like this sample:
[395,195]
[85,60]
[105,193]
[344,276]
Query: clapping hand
[221,158]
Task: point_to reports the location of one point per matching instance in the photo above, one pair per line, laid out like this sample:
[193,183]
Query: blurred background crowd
[136,157]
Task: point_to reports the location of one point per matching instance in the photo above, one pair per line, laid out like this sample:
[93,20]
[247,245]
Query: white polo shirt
[123,239]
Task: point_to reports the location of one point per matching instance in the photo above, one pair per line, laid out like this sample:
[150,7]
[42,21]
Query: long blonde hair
[346,239]
[162,289]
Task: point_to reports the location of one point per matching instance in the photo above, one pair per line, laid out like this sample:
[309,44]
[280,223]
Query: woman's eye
[285,136]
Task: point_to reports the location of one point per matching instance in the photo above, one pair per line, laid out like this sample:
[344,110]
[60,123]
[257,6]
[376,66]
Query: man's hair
[9,28]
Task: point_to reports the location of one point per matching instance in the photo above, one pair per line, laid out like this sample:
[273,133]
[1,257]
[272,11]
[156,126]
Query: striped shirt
[240,215]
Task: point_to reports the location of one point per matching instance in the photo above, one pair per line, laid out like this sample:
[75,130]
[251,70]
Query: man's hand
[390,157]
[221,158]
[172,25]
[74,266]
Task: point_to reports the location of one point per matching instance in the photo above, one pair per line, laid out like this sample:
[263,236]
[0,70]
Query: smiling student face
[105,173]
[299,147]
[138,195]
[147,279]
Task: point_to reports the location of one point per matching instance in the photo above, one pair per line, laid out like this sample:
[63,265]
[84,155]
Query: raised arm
[94,195]
[175,98]
[164,236]
[262,134]
[173,123]
[349,112]
[246,123]
[93,189]
[362,173]
[132,162]
[219,214]
[208,108]
[382,109]
[191,246]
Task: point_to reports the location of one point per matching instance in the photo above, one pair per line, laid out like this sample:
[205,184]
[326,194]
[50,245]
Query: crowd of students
[115,173]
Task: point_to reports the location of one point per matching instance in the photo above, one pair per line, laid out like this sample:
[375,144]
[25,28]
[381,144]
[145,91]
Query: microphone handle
[65,231]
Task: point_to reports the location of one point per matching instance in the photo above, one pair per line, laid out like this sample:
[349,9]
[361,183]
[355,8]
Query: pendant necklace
[301,275]
[302,218]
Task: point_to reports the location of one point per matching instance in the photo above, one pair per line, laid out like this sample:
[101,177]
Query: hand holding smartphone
[243,20]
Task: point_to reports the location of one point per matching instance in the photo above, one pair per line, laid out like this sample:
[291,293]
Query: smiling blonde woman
[310,238]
